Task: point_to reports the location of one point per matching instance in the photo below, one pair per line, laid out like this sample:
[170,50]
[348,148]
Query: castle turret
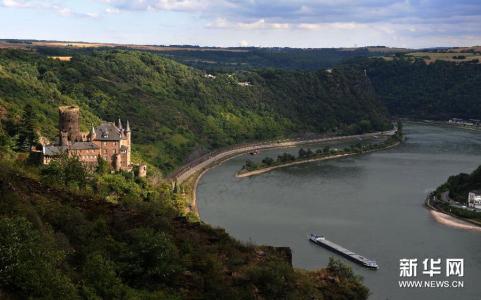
[92,134]
[128,135]
[69,124]
[119,125]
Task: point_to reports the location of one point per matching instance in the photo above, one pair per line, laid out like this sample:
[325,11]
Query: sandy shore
[448,220]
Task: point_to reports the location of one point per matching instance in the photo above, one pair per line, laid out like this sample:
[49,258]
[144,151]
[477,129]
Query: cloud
[222,23]
[169,5]
[14,3]
[336,25]
[47,6]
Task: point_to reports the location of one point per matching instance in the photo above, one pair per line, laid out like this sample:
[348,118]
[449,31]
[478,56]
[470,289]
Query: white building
[474,199]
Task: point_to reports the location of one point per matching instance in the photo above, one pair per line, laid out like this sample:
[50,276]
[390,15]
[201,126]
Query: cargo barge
[363,261]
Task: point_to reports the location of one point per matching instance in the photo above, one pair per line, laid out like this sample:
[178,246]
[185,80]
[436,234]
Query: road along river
[371,204]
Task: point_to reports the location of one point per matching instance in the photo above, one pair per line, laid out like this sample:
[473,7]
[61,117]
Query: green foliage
[268,161]
[250,165]
[439,90]
[274,279]
[174,110]
[102,166]
[65,171]
[151,258]
[27,130]
[285,157]
[460,185]
[30,265]
[304,155]
[100,275]
[74,245]
[349,285]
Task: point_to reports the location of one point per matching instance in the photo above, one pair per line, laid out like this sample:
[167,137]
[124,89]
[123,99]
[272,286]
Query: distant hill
[415,88]
[219,58]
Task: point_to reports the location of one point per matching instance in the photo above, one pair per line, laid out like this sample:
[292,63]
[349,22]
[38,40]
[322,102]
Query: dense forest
[69,233]
[176,111]
[439,90]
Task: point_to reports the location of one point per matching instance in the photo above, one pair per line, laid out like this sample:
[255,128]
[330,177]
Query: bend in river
[371,204]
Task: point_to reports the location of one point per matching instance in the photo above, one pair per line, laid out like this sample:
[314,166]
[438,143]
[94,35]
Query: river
[371,204]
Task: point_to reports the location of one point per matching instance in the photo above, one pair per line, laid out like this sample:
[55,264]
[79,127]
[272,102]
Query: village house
[474,199]
[110,141]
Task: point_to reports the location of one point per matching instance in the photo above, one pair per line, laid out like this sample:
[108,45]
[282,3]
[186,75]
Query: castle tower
[69,124]
[128,135]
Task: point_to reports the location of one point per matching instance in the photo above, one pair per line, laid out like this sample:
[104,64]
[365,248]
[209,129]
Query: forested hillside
[175,110]
[439,90]
[67,232]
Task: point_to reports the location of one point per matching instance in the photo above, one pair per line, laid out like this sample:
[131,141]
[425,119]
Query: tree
[102,166]
[268,161]
[302,153]
[65,171]
[27,129]
[100,274]
[30,263]
[152,258]
[250,165]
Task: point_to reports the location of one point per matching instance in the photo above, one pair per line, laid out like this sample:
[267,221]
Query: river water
[371,204]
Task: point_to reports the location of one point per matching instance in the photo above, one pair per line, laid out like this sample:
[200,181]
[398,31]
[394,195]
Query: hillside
[68,234]
[439,90]
[176,112]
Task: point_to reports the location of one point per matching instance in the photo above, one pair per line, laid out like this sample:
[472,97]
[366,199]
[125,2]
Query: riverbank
[189,176]
[449,219]
[443,124]
[304,161]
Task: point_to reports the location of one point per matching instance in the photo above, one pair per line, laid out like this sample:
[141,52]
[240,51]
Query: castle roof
[108,132]
[56,150]
[83,146]
[53,150]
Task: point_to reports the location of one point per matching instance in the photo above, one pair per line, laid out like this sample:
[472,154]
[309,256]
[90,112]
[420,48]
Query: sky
[280,23]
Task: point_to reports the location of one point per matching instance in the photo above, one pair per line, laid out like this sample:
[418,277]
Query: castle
[109,141]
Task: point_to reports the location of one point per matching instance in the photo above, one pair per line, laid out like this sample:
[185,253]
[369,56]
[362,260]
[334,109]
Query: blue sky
[301,23]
